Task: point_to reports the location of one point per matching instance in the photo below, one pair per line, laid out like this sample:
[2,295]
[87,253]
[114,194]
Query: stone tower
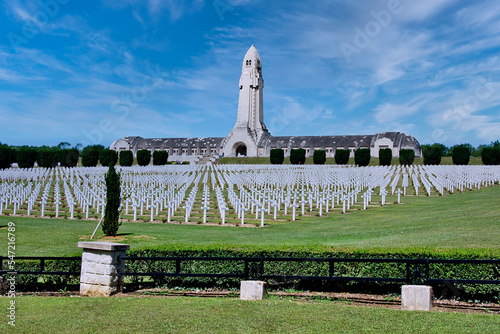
[249,129]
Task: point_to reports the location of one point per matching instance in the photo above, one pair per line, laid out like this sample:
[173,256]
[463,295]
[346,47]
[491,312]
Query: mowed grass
[462,222]
[331,161]
[228,315]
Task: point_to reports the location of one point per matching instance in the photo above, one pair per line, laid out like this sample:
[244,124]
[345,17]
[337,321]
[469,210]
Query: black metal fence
[408,271]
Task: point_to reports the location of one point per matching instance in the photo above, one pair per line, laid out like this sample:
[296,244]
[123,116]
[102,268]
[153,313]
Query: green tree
[432,154]
[47,159]
[406,156]
[461,154]
[143,157]
[341,156]
[385,156]
[7,156]
[126,158]
[90,157]
[362,157]
[297,156]
[26,157]
[277,156]
[319,157]
[160,158]
[68,157]
[110,223]
[108,157]
[491,156]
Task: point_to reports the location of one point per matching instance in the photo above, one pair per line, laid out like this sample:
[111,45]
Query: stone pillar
[416,298]
[253,290]
[101,265]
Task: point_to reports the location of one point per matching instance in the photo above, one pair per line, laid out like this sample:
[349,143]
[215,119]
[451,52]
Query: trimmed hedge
[126,158]
[277,156]
[47,159]
[406,157]
[385,156]
[491,156]
[143,157]
[160,158]
[68,157]
[362,157]
[26,157]
[319,157]
[7,157]
[90,157]
[432,155]
[341,157]
[108,157]
[297,156]
[460,155]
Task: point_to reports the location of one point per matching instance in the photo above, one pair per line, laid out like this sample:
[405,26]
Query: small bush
[160,158]
[297,156]
[143,157]
[460,155]
[432,155]
[126,158]
[341,157]
[362,157]
[319,157]
[26,157]
[406,156]
[108,157]
[90,157]
[385,156]
[110,223]
[491,156]
[186,163]
[277,156]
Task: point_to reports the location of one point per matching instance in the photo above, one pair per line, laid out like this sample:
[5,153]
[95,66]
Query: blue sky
[94,71]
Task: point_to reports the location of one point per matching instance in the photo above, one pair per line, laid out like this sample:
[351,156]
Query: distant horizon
[91,74]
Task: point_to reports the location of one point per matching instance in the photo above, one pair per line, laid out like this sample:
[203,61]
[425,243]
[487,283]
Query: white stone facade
[250,137]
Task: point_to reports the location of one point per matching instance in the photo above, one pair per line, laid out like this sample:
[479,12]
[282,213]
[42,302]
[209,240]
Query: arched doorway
[241,150]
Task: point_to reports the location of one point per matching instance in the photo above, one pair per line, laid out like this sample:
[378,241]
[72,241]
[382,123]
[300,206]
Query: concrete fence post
[101,266]
[416,297]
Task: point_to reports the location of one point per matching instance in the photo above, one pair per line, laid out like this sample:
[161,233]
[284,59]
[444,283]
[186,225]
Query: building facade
[250,137]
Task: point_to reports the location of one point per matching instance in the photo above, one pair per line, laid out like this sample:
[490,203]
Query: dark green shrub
[319,157]
[385,156]
[7,156]
[126,158]
[143,157]
[90,157]
[491,156]
[110,223]
[406,156]
[460,155]
[47,159]
[68,157]
[297,156]
[26,157]
[362,157]
[341,156]
[277,156]
[432,155]
[186,163]
[160,158]
[108,157]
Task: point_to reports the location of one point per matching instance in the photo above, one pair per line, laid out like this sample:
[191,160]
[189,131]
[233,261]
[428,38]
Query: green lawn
[468,222]
[228,315]
[331,161]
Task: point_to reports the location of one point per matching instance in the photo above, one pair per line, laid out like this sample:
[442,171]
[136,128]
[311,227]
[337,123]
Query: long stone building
[250,137]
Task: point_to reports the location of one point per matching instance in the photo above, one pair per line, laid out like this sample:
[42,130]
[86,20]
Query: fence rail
[417,271]
[41,267]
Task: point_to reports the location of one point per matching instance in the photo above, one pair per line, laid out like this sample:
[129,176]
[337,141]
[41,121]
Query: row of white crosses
[255,189]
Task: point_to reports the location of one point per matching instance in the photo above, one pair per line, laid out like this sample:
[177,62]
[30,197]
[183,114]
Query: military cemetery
[341,221]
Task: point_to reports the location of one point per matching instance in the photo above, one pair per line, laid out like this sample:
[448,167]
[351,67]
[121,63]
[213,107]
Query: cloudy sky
[93,71]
